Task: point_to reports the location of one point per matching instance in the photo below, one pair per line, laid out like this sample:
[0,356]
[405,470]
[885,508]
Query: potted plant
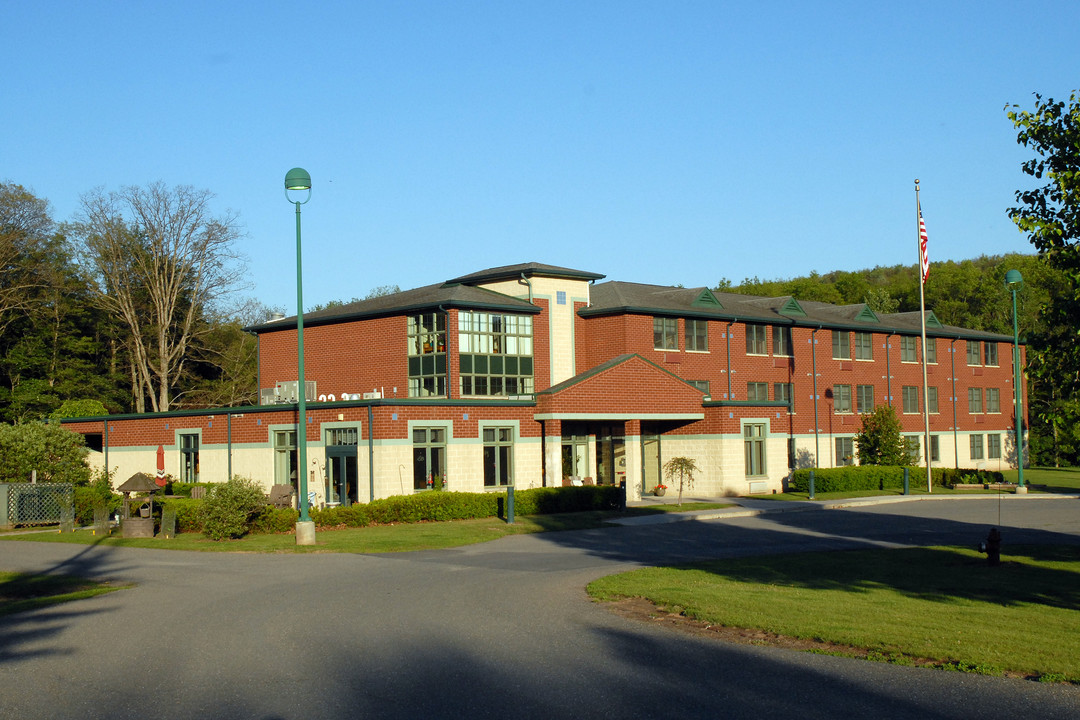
[659,490]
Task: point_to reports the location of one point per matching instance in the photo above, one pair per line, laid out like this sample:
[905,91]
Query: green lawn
[20,592]
[1052,480]
[943,605]
[376,539]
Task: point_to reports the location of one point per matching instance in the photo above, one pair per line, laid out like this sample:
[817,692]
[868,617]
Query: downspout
[728,333]
[106,424]
[955,438]
[371,453]
[813,355]
[528,282]
[888,370]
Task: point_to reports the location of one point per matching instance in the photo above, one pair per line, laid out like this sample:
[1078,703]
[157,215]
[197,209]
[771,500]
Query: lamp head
[1013,280]
[297,179]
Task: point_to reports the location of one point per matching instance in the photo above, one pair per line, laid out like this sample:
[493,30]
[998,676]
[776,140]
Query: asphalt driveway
[501,629]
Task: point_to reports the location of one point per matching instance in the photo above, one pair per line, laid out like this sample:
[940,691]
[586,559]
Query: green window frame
[931,400]
[665,333]
[910,394]
[993,447]
[931,351]
[697,334]
[757,340]
[976,447]
[990,354]
[783,392]
[495,354]
[845,451]
[864,346]
[426,337]
[975,401]
[754,446]
[498,456]
[864,399]
[429,457]
[935,449]
[909,349]
[841,398]
[841,345]
[285,458]
[781,341]
[189,457]
[993,400]
[757,391]
[974,352]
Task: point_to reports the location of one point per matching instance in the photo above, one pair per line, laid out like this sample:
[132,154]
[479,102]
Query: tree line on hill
[131,306]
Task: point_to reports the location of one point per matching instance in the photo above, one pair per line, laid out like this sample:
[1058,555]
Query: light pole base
[305,533]
[1021,490]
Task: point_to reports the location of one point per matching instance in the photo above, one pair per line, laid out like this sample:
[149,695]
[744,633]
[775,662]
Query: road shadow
[36,632]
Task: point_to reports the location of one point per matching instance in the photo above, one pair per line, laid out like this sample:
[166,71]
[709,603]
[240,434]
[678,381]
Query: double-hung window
[911,399]
[842,398]
[909,349]
[864,346]
[781,340]
[429,457]
[665,333]
[841,345]
[975,400]
[498,456]
[931,400]
[974,352]
[864,397]
[976,442]
[782,392]
[757,391]
[757,341]
[990,354]
[993,400]
[754,445]
[993,447]
[697,335]
[931,350]
[845,451]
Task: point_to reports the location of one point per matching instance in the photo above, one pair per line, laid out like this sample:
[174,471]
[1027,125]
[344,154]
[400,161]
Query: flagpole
[923,269]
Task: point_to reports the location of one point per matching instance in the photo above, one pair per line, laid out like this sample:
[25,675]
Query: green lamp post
[298,179]
[1014,281]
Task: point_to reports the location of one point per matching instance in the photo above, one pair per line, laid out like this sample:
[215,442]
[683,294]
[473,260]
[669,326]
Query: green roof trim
[792,308]
[706,299]
[867,315]
[932,321]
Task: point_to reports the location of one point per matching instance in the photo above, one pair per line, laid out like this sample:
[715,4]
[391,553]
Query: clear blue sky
[661,142]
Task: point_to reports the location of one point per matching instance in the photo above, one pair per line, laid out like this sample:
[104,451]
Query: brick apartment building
[539,375]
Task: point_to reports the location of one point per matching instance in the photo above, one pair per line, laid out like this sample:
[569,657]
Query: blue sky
[660,142]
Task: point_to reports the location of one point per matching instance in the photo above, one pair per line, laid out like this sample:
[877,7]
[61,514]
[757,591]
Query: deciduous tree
[159,259]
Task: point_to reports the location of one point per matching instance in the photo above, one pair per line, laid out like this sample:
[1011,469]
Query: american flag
[924,258]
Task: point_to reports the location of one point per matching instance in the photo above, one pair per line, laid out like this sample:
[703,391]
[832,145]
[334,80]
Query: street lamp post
[1014,281]
[298,179]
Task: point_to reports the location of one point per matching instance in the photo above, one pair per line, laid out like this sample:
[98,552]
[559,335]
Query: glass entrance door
[341,444]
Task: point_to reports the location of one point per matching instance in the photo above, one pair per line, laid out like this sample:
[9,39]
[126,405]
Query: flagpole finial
[916,181]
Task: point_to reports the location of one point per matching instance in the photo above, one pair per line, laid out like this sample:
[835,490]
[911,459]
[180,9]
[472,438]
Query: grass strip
[943,606]
[20,592]
[374,539]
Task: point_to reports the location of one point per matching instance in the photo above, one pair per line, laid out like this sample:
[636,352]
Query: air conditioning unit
[287,392]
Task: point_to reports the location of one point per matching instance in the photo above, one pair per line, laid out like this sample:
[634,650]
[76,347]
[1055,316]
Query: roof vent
[275,316]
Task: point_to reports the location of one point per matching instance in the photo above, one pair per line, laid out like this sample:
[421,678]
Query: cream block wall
[560,317]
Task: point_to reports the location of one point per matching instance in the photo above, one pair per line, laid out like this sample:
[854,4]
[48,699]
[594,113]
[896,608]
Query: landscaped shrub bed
[884,477]
[422,507]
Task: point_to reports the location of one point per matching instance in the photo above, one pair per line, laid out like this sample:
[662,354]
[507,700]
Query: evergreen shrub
[883,477]
[230,508]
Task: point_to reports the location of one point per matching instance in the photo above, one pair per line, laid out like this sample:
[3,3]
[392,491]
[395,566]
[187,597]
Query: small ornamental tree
[879,440]
[682,468]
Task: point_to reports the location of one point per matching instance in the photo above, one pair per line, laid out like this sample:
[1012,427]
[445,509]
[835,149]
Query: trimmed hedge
[884,477]
[422,507]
